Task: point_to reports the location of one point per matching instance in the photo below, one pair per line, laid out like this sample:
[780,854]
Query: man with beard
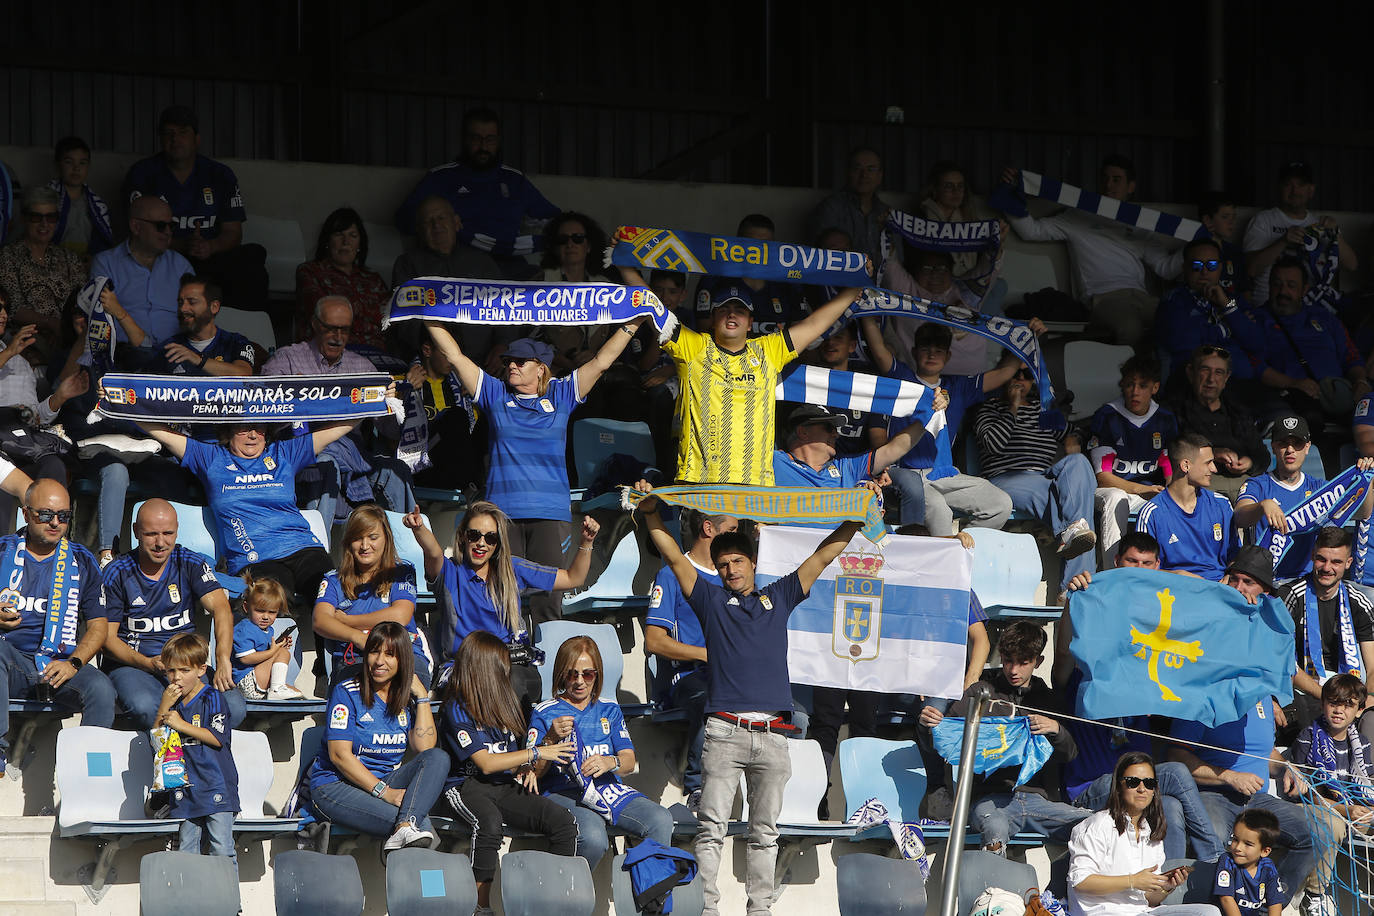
[1308,353]
[202,348]
[493,201]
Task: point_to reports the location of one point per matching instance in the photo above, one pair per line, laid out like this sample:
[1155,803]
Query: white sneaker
[408,835]
[1318,905]
[1076,539]
[285,692]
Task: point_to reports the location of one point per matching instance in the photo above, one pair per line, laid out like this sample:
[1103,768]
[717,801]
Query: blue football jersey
[1131,447]
[1199,542]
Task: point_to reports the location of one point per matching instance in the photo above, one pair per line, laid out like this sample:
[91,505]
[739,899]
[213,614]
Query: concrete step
[22,879]
[37,908]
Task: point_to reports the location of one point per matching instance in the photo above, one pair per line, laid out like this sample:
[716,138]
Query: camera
[525,654]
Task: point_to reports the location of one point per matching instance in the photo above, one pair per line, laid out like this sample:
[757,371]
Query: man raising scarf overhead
[728,380]
[48,586]
[1334,623]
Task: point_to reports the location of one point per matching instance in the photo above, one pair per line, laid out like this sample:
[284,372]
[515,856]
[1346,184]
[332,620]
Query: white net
[1340,816]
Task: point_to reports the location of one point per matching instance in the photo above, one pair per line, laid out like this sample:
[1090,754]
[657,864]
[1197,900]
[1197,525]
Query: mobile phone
[285,633]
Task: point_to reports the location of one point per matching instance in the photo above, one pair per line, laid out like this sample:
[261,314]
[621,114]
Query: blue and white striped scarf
[1008,198]
[857,391]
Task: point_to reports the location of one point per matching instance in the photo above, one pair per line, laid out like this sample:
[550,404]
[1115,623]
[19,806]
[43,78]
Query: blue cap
[529,348]
[732,293]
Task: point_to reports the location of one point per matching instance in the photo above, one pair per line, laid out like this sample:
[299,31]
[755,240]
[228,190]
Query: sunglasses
[161,225]
[45,516]
[1212,264]
[1210,350]
[473,536]
[577,238]
[41,217]
[586,674]
[1133,782]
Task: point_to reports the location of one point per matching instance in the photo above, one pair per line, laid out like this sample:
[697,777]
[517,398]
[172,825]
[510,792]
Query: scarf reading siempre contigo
[776,505]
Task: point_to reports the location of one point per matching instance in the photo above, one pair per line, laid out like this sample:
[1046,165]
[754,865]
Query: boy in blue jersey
[673,634]
[1266,501]
[210,798]
[932,488]
[1128,451]
[1191,523]
[1247,880]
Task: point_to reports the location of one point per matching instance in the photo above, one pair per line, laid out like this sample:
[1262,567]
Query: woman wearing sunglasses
[573,244]
[589,784]
[491,782]
[39,273]
[480,590]
[528,418]
[1116,856]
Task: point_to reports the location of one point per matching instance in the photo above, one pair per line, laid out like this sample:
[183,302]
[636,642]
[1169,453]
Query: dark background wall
[746,92]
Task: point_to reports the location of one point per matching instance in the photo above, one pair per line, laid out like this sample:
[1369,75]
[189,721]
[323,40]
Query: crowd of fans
[1234,359]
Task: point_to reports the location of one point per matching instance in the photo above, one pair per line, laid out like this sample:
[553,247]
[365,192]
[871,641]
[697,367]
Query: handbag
[26,444]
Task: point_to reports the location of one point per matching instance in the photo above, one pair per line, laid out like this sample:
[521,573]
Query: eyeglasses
[41,217]
[586,674]
[1211,264]
[1210,350]
[1133,782]
[161,225]
[334,328]
[473,536]
[45,516]
[577,238]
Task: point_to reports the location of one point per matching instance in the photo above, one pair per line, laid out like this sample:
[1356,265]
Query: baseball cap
[814,413]
[529,348]
[1291,427]
[1255,562]
[1296,169]
[179,115]
[732,293]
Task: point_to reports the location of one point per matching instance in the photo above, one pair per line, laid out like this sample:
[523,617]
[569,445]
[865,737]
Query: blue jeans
[140,693]
[1183,811]
[423,779]
[218,827]
[1294,833]
[89,690]
[1058,496]
[1001,816]
[169,481]
[641,818]
[689,695]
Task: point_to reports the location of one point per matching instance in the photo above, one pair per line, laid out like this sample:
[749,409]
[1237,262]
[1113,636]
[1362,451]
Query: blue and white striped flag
[857,391]
[1061,192]
[895,622]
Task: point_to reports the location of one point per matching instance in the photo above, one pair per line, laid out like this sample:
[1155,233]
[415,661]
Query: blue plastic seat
[407,549]
[552,634]
[1092,371]
[309,883]
[595,439]
[802,794]
[614,589]
[535,883]
[167,881]
[1006,574]
[981,870]
[424,882]
[890,771]
[872,885]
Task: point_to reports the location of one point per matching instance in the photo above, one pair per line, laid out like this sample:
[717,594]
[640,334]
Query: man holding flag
[1333,623]
[1272,502]
[749,698]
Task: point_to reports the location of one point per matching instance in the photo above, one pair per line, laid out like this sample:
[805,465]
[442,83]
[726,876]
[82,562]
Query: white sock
[278,677]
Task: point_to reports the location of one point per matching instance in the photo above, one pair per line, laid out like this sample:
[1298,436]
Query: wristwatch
[75,662]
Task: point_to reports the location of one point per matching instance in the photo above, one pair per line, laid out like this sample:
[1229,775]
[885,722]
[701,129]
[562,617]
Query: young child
[261,662]
[1333,746]
[1247,880]
[210,799]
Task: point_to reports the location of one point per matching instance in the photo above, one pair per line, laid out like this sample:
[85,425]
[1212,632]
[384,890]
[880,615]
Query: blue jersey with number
[1199,542]
[149,611]
[378,740]
[253,500]
[600,727]
[367,601]
[1251,893]
[212,778]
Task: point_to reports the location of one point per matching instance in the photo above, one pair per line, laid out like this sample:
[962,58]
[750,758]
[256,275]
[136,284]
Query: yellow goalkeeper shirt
[727,402]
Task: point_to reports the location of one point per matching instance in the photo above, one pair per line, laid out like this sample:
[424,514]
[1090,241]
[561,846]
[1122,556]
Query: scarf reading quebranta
[982,236]
[1010,199]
